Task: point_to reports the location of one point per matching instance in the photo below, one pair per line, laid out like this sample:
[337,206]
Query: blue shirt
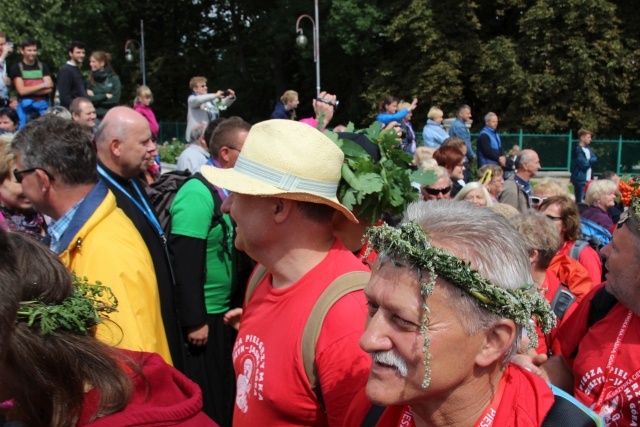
[57,228]
[459,129]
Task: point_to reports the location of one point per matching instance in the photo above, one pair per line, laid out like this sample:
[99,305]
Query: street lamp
[301,41]
[140,45]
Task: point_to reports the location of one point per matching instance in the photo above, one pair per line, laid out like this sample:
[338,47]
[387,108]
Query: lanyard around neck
[146,209]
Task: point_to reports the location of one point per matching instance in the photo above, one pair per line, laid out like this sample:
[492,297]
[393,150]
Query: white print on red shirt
[250,350]
[612,410]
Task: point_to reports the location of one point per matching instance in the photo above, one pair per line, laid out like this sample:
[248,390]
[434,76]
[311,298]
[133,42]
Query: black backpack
[162,193]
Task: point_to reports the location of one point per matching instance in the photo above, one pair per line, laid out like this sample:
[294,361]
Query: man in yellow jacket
[56,165]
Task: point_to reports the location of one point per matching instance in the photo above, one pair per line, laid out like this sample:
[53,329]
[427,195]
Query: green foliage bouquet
[370,188]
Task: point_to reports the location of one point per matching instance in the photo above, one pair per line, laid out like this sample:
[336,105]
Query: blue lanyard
[146,210]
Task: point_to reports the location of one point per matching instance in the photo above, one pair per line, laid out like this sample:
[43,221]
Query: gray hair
[59,111]
[598,189]
[483,238]
[474,186]
[196,133]
[539,234]
[59,146]
[488,116]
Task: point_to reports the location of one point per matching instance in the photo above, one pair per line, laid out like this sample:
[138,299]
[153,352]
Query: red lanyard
[605,397]
[486,420]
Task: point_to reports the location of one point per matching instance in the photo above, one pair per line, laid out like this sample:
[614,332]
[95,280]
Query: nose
[374,337]
[226,205]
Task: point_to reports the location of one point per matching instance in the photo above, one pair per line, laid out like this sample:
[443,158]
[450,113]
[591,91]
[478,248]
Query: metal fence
[170,131]
[619,155]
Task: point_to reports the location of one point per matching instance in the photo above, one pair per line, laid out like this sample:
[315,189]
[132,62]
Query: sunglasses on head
[535,200]
[436,191]
[624,217]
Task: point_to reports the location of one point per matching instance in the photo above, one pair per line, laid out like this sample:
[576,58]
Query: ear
[45,181]
[533,256]
[115,147]
[224,155]
[282,209]
[496,343]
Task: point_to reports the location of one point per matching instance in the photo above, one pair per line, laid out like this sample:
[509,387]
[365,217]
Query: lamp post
[140,44]
[301,41]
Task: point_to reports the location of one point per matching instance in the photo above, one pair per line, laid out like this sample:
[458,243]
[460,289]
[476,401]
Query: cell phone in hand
[226,93]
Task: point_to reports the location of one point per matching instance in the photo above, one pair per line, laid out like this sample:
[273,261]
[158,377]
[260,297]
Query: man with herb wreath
[445,313]
[284,186]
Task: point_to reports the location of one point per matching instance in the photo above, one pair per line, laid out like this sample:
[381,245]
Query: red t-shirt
[588,258]
[272,387]
[525,402]
[594,352]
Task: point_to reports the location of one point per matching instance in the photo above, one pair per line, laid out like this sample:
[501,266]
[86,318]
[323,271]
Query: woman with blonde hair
[142,105]
[601,195]
[286,107]
[433,133]
[103,86]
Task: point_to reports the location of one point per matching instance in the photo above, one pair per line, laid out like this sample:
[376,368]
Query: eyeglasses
[19,175]
[554,218]
[535,200]
[436,191]
[236,149]
[624,217]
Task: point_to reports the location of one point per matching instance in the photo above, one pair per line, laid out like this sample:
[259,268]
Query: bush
[169,151]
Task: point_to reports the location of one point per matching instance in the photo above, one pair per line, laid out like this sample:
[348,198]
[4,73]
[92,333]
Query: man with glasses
[599,361]
[125,150]
[56,165]
[441,189]
[204,107]
[201,240]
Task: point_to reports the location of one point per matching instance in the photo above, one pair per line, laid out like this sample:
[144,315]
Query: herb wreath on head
[78,313]
[370,187]
[409,245]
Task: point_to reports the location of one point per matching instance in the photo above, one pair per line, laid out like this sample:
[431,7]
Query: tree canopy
[543,66]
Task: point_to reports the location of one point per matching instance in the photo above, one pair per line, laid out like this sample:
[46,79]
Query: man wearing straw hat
[284,186]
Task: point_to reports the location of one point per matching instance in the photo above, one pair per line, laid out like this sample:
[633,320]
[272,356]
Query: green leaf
[424,178]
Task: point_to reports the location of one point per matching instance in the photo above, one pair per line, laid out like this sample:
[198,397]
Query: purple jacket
[597,215]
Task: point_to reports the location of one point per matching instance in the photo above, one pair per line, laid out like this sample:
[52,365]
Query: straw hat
[287,159]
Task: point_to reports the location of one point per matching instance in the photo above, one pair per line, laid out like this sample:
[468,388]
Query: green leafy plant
[169,151]
[370,188]
[80,312]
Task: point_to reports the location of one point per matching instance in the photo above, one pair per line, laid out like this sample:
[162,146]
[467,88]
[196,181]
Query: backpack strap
[341,286]
[577,248]
[217,200]
[567,411]
[601,304]
[259,273]
[562,299]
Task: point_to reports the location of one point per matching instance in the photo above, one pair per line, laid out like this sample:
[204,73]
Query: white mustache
[390,358]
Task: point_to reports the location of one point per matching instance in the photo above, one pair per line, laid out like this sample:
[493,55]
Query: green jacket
[104,82]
